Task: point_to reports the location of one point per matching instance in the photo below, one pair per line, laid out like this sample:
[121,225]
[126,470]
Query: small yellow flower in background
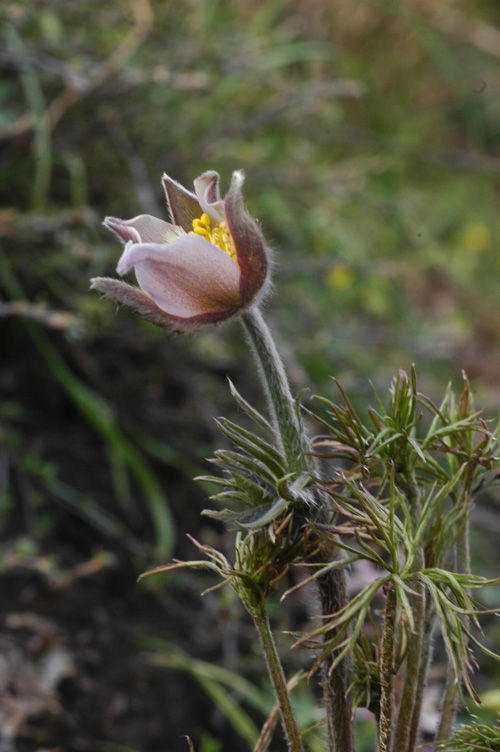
[340,277]
[476,237]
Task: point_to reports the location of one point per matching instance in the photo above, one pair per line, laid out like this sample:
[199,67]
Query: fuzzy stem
[427,646]
[463,544]
[415,640]
[409,698]
[448,707]
[279,397]
[261,620]
[387,671]
[450,697]
[338,705]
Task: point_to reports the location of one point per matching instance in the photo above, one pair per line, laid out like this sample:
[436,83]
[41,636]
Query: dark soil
[73,675]
[75,624]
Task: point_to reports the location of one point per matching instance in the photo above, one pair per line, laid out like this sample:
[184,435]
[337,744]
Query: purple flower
[207,266]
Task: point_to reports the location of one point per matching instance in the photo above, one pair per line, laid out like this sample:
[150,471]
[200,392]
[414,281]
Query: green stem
[448,707]
[425,661]
[409,699]
[387,671]
[463,544]
[261,620]
[462,564]
[279,397]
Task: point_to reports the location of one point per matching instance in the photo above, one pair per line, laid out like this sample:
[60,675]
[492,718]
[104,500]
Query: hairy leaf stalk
[338,705]
[416,639]
[261,620]
[275,381]
[425,662]
[450,697]
[448,706]
[387,671]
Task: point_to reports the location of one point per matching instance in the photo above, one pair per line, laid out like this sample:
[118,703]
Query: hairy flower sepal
[205,267]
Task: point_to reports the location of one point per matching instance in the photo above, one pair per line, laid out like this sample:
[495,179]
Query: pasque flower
[207,266]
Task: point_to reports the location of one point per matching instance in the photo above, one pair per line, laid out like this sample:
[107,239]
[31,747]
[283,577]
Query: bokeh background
[369,132]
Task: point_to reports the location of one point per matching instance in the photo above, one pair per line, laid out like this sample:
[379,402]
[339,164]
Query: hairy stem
[428,642]
[416,639]
[463,544]
[450,696]
[408,700]
[279,397]
[448,706]
[387,671]
[261,620]
[338,705]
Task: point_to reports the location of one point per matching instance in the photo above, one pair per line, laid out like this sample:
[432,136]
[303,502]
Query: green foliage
[255,475]
[392,467]
[404,500]
[475,736]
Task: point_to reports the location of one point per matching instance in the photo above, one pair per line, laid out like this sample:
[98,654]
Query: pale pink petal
[134,298]
[189,277]
[206,188]
[141,303]
[143,229]
[122,230]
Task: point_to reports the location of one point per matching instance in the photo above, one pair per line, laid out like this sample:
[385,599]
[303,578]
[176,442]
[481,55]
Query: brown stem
[387,671]
[448,706]
[408,700]
[428,642]
[333,596]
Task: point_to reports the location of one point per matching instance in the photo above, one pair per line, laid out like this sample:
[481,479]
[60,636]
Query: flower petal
[183,205]
[189,277]
[250,246]
[143,229]
[134,298]
[207,191]
[141,303]
[122,230]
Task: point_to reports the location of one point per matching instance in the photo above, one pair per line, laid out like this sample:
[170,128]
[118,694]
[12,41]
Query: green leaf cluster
[402,502]
[481,736]
[256,484]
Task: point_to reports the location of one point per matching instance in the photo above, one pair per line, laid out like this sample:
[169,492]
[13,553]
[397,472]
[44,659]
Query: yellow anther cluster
[218,235]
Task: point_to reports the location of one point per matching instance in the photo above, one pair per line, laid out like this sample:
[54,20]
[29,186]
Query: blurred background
[369,133]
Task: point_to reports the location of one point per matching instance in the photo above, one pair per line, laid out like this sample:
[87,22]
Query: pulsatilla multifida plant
[399,497]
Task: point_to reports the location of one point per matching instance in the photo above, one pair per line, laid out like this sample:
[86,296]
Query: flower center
[218,235]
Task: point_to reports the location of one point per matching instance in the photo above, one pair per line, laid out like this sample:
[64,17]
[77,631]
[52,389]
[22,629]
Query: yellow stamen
[219,235]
